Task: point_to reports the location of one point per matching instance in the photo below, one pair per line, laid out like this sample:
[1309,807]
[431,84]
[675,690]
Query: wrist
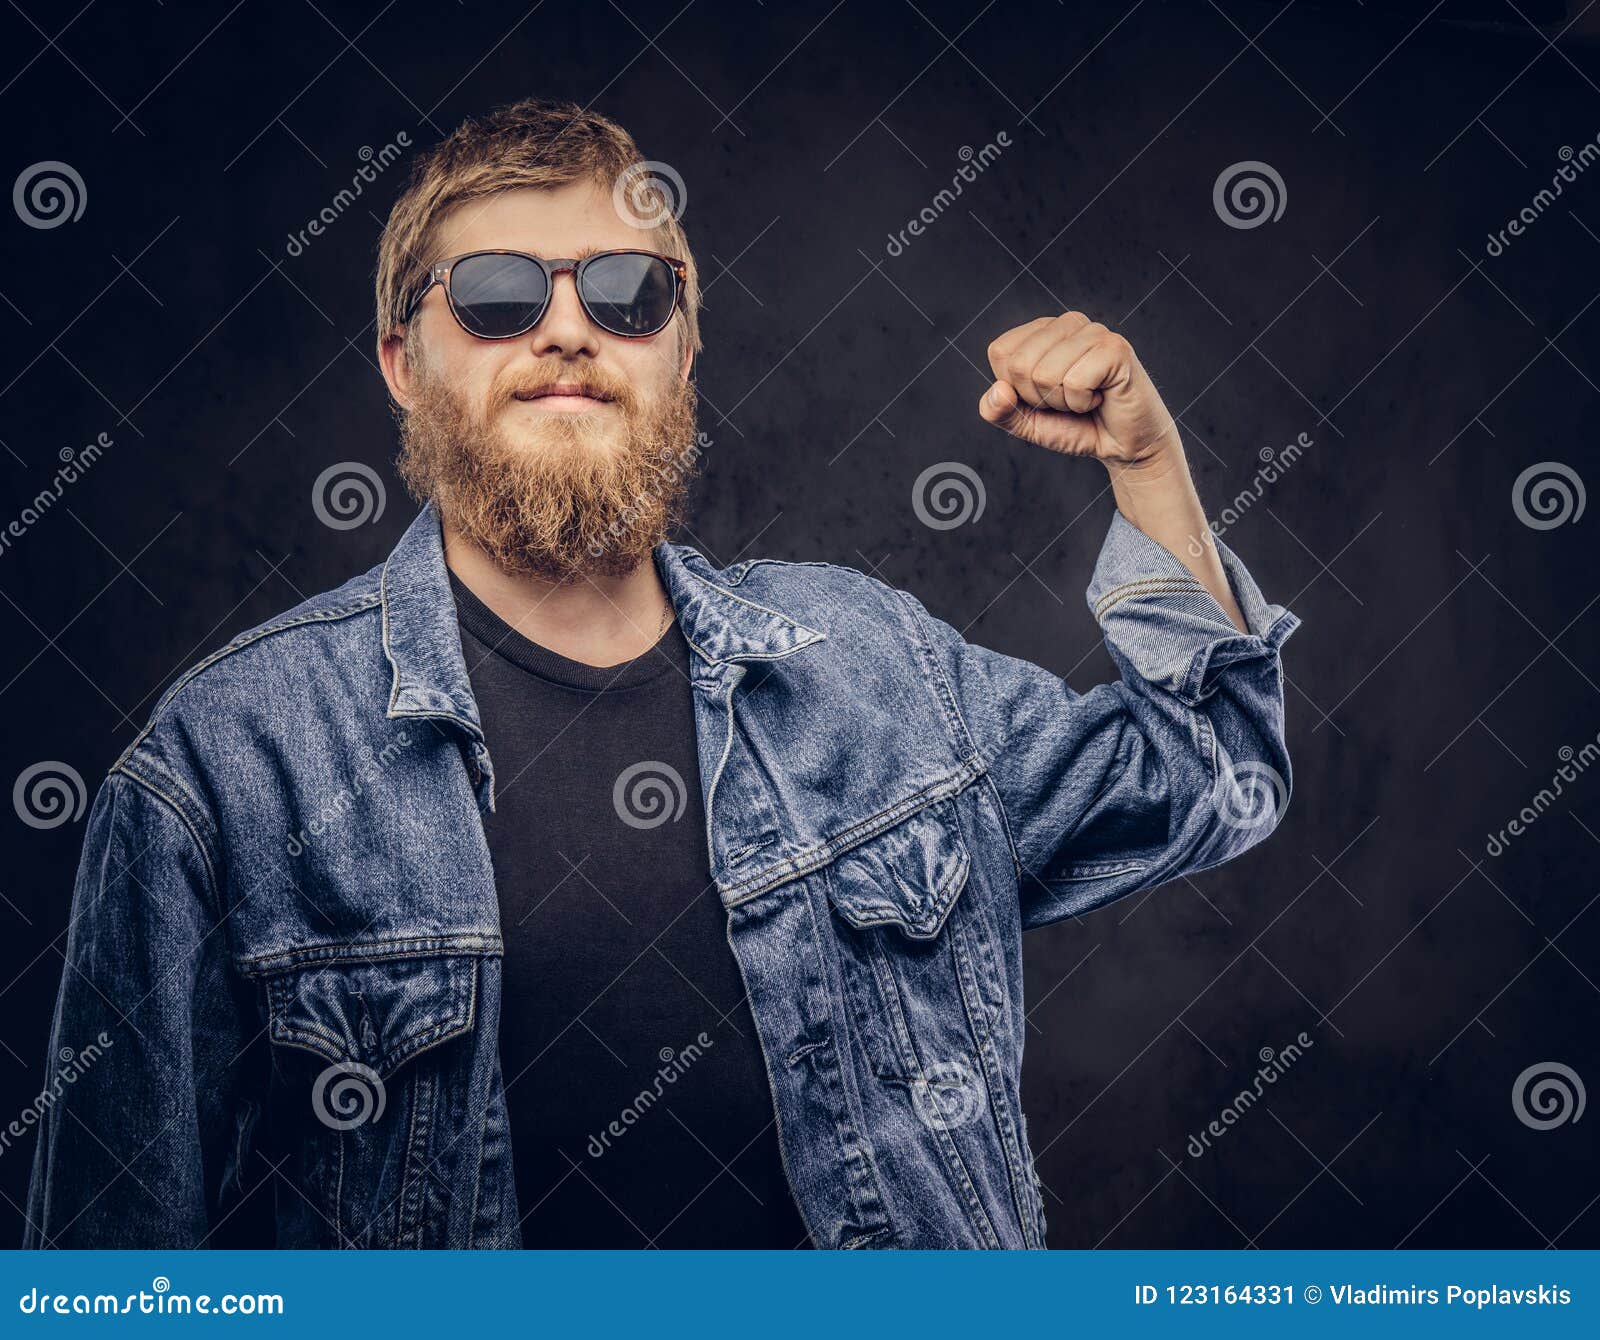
[1157,487]
[1164,463]
[1158,495]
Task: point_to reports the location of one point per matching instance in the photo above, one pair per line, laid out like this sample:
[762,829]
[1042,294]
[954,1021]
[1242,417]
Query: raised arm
[1182,763]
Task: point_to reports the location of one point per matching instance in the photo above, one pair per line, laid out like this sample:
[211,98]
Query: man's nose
[565,328]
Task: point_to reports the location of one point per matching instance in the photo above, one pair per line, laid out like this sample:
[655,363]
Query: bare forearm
[1158,496]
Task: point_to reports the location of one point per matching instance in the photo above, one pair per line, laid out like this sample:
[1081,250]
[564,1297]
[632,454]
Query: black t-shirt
[640,1109]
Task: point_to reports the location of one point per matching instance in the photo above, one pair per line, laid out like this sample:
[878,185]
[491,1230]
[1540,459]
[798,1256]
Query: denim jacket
[284,961]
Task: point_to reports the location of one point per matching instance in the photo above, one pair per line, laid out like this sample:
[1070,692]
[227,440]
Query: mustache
[590,381]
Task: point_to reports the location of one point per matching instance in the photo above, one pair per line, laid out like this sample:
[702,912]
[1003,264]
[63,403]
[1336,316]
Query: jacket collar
[420,636]
[422,642]
[719,625]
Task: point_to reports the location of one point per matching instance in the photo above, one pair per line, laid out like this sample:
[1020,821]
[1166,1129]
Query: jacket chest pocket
[372,1059]
[918,960]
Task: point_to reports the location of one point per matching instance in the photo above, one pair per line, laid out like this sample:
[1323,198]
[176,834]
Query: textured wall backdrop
[184,358]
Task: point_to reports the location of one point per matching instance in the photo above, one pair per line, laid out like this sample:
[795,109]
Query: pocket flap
[908,876]
[373,1013]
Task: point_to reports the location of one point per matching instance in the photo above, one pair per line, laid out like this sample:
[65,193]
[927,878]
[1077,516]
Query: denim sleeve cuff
[1155,612]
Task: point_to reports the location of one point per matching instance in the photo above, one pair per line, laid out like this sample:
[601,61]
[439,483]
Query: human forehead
[573,220]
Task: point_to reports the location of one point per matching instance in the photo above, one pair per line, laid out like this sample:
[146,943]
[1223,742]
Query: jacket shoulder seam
[183,816]
[237,645]
[751,564]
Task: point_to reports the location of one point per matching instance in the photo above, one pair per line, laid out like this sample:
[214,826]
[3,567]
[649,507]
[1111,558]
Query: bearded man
[552,885]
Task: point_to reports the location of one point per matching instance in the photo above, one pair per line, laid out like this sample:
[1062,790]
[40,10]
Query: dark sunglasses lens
[498,296]
[629,294]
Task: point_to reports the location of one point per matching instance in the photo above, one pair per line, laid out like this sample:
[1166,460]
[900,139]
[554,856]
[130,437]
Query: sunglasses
[498,295]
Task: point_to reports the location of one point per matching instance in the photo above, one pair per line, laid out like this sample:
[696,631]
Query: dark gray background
[1448,649]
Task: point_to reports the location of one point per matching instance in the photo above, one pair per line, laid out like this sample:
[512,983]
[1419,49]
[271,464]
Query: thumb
[1057,430]
[1001,407]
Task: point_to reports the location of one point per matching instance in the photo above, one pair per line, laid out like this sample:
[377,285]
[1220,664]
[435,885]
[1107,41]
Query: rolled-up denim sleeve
[136,1118]
[1179,765]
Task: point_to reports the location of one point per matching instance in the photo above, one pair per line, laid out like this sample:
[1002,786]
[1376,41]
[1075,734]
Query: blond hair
[533,143]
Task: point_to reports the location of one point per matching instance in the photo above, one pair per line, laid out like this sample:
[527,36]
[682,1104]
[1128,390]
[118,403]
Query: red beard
[580,495]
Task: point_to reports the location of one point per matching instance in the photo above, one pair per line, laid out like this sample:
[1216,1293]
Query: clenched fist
[1069,384]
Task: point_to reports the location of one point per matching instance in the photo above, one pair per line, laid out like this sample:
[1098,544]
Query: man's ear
[397,370]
